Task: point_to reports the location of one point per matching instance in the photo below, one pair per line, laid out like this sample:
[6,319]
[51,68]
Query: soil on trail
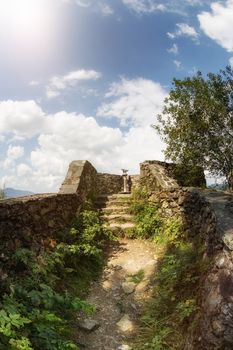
[119,295]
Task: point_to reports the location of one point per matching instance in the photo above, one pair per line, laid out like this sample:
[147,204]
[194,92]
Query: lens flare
[28,28]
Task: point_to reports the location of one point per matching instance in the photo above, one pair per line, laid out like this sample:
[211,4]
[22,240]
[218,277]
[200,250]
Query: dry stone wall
[196,213]
[109,183]
[215,329]
[157,175]
[81,179]
[208,214]
[135,182]
[32,221]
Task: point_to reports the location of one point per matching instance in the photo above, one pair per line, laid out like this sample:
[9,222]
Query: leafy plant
[137,277]
[36,309]
[2,193]
[174,305]
[148,221]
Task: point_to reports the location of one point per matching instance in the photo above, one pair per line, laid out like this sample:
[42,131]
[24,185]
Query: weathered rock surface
[88,325]
[125,325]
[128,287]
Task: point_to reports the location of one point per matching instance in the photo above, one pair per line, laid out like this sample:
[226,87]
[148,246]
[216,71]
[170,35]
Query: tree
[2,193]
[197,122]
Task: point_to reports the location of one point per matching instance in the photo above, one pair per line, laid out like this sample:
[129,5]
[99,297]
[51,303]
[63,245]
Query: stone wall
[81,179]
[215,328]
[109,183]
[135,182]
[209,215]
[34,218]
[30,221]
[157,175]
[196,212]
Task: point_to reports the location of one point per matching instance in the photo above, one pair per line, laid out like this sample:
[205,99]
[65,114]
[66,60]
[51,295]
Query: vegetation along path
[123,286]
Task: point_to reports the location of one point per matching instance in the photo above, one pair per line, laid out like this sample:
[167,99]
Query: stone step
[111,203]
[114,196]
[122,226]
[114,210]
[121,198]
[118,217]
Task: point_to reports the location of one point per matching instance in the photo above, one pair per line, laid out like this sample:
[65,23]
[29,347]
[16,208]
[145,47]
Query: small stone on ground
[125,324]
[124,347]
[128,287]
[88,325]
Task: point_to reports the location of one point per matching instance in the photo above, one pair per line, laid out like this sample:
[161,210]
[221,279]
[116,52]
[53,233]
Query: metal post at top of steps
[126,181]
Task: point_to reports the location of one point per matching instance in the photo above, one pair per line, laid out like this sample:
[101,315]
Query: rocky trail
[124,285]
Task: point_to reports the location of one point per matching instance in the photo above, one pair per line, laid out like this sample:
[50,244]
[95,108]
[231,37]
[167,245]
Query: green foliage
[173,307]
[197,123]
[189,176]
[137,277]
[36,308]
[148,221]
[2,193]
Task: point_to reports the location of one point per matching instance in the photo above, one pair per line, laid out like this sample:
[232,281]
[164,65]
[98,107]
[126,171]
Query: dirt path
[119,295]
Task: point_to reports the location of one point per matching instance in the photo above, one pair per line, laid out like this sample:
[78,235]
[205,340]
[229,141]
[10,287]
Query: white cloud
[144,6]
[173,49]
[177,64]
[141,143]
[183,29]
[64,137]
[15,152]
[34,83]
[134,102]
[154,6]
[106,10]
[57,84]
[22,118]
[9,165]
[70,136]
[217,24]
[23,170]
[83,3]
[2,138]
[97,5]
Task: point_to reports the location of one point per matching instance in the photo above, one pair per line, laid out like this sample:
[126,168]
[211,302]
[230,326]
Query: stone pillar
[126,181]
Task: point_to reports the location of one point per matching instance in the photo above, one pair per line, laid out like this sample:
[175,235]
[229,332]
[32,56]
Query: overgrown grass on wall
[41,295]
[2,193]
[173,308]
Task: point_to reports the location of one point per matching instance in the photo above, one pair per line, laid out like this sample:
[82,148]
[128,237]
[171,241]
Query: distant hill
[12,193]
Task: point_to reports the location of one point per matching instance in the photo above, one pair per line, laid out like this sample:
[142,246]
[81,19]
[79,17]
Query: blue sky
[85,79]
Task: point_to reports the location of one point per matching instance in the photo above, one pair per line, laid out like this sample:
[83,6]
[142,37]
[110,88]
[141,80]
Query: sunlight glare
[27,27]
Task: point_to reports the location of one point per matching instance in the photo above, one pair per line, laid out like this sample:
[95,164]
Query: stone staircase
[114,211]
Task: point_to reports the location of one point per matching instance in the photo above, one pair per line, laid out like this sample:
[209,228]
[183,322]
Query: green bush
[37,309]
[2,193]
[173,307]
[148,221]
